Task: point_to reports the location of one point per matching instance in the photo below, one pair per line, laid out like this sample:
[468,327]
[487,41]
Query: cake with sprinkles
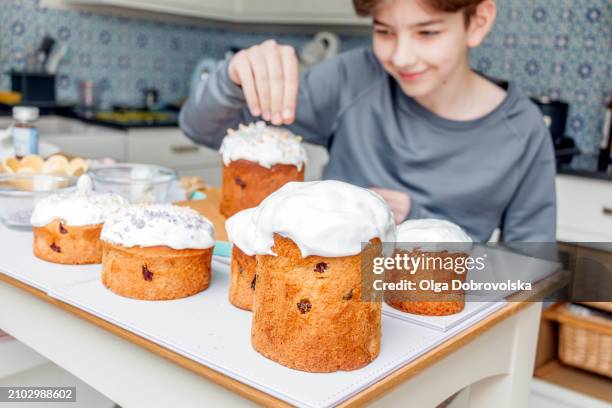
[257,160]
[157,252]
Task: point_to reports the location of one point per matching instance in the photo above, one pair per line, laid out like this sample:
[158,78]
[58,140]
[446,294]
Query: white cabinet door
[584,209]
[76,138]
[298,11]
[168,147]
[90,146]
[220,9]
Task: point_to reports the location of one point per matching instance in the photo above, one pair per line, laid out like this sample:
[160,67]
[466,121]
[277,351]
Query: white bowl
[19,193]
[138,183]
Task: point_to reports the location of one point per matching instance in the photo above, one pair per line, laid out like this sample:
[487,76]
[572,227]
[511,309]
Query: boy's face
[420,48]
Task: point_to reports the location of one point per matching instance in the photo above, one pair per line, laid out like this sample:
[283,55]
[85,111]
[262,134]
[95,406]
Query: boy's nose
[405,53]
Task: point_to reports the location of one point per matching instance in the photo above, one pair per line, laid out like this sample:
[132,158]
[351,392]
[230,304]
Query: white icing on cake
[241,230]
[438,235]
[159,225]
[79,208]
[325,218]
[262,144]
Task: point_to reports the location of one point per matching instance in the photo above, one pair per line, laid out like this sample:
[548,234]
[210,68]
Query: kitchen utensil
[200,74]
[555,115]
[20,192]
[35,88]
[324,45]
[150,97]
[606,141]
[42,55]
[55,58]
[138,183]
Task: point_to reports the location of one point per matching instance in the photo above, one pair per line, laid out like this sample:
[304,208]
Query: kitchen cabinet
[584,209]
[255,11]
[168,147]
[96,145]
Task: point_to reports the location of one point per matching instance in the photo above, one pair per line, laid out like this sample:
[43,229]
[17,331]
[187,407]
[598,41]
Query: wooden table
[494,358]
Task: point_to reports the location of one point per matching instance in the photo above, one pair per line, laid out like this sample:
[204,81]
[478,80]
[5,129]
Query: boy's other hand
[268,75]
[399,202]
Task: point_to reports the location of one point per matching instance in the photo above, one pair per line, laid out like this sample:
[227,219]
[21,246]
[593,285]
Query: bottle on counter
[25,133]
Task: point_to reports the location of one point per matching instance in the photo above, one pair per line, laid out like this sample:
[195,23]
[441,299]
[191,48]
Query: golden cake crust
[64,244]
[428,302]
[155,273]
[245,184]
[307,312]
[242,279]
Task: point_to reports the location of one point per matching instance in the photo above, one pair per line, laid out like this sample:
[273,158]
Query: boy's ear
[481,23]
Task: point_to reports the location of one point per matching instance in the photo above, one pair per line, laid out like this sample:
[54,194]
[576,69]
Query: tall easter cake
[307,308]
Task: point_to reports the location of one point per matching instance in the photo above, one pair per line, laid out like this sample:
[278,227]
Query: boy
[408,118]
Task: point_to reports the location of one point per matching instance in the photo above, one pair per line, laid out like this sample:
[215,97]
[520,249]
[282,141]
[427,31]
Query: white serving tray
[445,323]
[18,261]
[208,329]
[500,265]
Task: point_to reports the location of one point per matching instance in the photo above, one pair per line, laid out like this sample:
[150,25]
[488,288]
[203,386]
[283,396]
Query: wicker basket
[586,342]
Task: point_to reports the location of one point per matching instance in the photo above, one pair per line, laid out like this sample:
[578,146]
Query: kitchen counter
[585,165]
[68,111]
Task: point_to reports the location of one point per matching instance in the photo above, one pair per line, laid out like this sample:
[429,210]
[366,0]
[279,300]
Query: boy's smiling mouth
[411,76]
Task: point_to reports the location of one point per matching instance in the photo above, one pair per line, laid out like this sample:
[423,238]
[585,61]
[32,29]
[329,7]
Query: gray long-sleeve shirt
[495,171]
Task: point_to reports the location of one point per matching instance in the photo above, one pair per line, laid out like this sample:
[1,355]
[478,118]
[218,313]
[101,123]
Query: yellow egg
[77,167]
[11,163]
[34,162]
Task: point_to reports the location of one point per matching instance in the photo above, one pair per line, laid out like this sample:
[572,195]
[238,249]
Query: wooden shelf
[551,370]
[584,382]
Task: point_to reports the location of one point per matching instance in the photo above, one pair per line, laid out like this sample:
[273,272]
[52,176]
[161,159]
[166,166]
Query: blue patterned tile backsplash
[556,48]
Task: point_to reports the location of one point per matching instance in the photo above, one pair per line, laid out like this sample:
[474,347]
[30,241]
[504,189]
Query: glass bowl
[19,193]
[138,183]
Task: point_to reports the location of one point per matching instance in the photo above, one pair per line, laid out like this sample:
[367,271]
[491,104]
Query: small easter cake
[67,226]
[258,160]
[444,243]
[157,252]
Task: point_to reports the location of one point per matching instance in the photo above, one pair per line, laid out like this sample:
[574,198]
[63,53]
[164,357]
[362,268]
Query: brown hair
[366,8]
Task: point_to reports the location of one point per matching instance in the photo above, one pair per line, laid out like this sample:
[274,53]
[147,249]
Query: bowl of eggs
[57,165]
[19,193]
[23,182]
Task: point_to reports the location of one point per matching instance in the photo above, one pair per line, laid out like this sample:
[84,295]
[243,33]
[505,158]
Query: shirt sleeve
[418,211]
[531,215]
[218,104]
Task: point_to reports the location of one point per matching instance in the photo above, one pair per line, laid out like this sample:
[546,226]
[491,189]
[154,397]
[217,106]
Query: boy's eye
[428,33]
[382,31]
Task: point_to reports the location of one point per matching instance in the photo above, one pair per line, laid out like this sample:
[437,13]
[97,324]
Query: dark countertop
[585,165]
[69,111]
[172,121]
